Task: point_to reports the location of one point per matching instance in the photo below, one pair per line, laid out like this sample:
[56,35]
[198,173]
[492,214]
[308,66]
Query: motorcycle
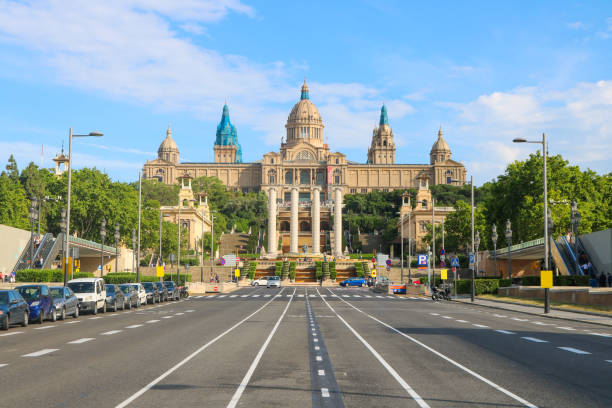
[440,294]
[183,292]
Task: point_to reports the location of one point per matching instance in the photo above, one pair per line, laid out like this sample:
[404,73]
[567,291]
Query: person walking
[610,280]
[602,280]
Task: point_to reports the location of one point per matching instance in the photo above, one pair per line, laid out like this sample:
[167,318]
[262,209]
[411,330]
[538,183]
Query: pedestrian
[602,280]
[217,277]
[1,277]
[568,236]
[610,280]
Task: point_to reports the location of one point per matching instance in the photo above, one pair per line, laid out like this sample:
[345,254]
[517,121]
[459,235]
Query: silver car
[274,281]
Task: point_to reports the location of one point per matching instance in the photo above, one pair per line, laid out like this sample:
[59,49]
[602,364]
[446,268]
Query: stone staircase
[232,242]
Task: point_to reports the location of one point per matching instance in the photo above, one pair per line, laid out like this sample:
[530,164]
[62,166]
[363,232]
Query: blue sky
[486,71]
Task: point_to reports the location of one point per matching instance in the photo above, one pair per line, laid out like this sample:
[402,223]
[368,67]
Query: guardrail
[518,247]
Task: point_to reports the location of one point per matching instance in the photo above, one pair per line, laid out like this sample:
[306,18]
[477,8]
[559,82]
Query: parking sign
[423,260]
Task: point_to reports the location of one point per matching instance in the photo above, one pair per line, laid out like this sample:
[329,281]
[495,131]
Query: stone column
[272,245]
[293,247]
[338,222]
[316,220]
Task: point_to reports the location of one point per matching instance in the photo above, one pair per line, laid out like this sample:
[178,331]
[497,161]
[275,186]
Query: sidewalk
[539,311]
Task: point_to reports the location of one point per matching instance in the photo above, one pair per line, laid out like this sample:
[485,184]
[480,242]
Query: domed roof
[440,145]
[304,112]
[168,144]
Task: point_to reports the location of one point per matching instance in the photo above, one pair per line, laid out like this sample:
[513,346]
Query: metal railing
[90,244]
[518,247]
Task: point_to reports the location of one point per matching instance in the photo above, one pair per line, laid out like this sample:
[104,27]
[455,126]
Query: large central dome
[304,121]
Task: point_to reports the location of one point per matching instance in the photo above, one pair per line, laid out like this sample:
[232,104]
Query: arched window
[424,204]
[304,226]
[272,161]
[320,178]
[304,155]
[385,143]
[337,161]
[289,177]
[272,176]
[284,226]
[304,177]
[185,203]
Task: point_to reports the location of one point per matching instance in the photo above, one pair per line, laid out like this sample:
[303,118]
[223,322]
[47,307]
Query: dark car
[353,282]
[13,309]
[163,292]
[174,292]
[152,293]
[131,295]
[39,301]
[115,298]
[66,302]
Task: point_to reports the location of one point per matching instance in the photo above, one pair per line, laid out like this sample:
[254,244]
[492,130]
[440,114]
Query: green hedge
[278,268]
[571,280]
[292,267]
[47,275]
[464,286]
[119,278]
[359,269]
[319,269]
[363,256]
[252,269]
[332,271]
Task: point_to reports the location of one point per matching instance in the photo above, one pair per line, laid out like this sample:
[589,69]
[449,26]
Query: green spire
[304,91]
[384,120]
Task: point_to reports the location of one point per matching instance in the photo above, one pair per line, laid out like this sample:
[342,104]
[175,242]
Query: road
[302,347]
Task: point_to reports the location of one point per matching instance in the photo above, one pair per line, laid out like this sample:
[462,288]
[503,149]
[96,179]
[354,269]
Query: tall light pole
[33,217]
[117,236]
[139,219]
[433,239]
[212,241]
[494,239]
[546,243]
[63,229]
[133,248]
[178,252]
[91,134]
[160,237]
[472,188]
[103,235]
[508,235]
[574,222]
[476,244]
[202,246]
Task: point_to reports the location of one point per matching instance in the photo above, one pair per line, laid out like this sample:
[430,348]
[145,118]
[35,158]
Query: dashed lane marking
[255,295]
[519,319]
[179,314]
[317,348]
[153,321]
[446,317]
[566,328]
[44,327]
[108,333]
[73,322]
[300,296]
[241,295]
[96,317]
[321,372]
[574,350]
[40,353]
[189,311]
[462,321]
[504,331]
[10,334]
[222,296]
[133,326]
[498,315]
[378,296]
[435,314]
[480,325]
[266,296]
[534,340]
[601,334]
[83,340]
[233,296]
[167,317]
[3,365]
[542,324]
[324,392]
[319,358]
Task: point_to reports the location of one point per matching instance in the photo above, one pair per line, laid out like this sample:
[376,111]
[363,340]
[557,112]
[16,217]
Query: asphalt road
[302,347]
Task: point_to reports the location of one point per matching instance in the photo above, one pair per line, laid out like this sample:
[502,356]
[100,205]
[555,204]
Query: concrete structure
[14,241]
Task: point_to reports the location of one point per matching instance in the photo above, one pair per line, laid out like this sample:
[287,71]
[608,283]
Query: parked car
[273,281]
[142,293]
[152,293]
[114,297]
[66,302]
[13,309]
[131,295]
[260,281]
[91,293]
[163,292]
[173,290]
[39,301]
[354,282]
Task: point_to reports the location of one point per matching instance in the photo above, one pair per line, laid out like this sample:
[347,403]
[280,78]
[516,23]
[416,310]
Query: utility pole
[139,219]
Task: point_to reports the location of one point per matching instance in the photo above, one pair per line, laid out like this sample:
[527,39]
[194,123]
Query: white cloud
[194,28]
[576,25]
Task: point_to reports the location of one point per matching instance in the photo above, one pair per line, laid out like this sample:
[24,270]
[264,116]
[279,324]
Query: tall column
[293,247]
[316,220]
[338,222]
[272,245]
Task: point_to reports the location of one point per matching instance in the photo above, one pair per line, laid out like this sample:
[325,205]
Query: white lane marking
[480,325]
[504,331]
[321,372]
[3,365]
[543,324]
[96,317]
[368,296]
[519,320]
[467,370]
[350,296]
[44,327]
[378,296]
[462,321]
[197,297]
[446,317]
[233,296]
[319,358]
[601,334]
[289,296]
[222,296]
[266,296]
[240,295]
[574,350]
[188,358]
[73,321]
[435,314]
[83,340]
[326,296]
[179,314]
[535,340]
[312,296]
[498,315]
[607,361]
[418,399]
[317,348]
[255,295]
[566,328]
[247,377]
[167,317]
[189,311]
[133,326]
[300,296]
[315,339]
[334,295]
[108,333]
[153,321]
[324,392]
[10,334]
[40,353]
[356,295]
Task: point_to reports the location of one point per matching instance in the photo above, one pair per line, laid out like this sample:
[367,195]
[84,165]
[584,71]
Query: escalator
[53,250]
[566,253]
[30,255]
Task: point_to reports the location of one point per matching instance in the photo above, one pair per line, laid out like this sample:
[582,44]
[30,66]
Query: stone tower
[168,151]
[382,150]
[227,148]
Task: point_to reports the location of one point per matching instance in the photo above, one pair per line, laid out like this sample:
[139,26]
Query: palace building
[304,177]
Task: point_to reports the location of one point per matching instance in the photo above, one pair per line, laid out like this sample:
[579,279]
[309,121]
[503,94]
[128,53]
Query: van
[91,293]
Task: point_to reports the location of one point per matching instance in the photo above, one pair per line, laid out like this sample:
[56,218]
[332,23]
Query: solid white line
[418,399]
[467,370]
[574,350]
[462,321]
[504,331]
[79,341]
[3,365]
[519,320]
[108,333]
[186,359]
[10,334]
[317,348]
[324,392]
[247,377]
[601,334]
[321,372]
[44,327]
[566,328]
[479,325]
[167,317]
[40,353]
[534,340]
[133,326]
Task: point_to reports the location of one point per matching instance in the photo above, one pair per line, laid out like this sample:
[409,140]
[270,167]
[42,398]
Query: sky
[485,71]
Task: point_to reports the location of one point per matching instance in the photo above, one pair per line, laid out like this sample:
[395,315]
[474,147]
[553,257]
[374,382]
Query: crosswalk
[309,295]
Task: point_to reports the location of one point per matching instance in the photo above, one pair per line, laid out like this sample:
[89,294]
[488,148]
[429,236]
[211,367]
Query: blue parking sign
[423,260]
[471,258]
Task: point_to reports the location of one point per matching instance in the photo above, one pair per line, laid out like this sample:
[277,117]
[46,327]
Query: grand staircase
[232,242]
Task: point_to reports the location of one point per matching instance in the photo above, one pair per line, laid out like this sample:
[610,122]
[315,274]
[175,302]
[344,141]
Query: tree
[11,169]
[13,203]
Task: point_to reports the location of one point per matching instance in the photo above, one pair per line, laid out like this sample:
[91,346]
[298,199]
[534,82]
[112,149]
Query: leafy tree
[11,169]
[13,203]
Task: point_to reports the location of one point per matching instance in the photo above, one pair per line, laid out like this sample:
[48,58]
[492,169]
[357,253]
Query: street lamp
[117,236]
[63,229]
[508,234]
[91,134]
[103,235]
[574,221]
[33,219]
[494,239]
[133,247]
[476,244]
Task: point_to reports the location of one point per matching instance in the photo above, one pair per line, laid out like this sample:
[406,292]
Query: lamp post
[574,221]
[212,242]
[63,229]
[33,218]
[133,247]
[160,237]
[139,222]
[494,239]
[103,235]
[117,236]
[508,234]
[475,271]
[429,262]
[91,134]
[546,243]
[202,252]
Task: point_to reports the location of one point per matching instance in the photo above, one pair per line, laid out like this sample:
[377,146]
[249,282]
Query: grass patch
[540,302]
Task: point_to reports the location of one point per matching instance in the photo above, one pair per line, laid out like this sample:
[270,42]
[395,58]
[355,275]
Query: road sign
[381,259]
[422,260]
[230,260]
[454,269]
[471,258]
[373,273]
[546,279]
[222,261]
[442,252]
[374,260]
[455,262]
[388,262]
[444,274]
[442,257]
[237,272]
[160,272]
[442,264]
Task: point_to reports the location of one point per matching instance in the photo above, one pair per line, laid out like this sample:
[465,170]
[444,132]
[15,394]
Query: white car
[274,281]
[91,293]
[260,281]
[142,293]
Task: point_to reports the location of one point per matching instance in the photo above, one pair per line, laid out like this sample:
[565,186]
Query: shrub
[359,269]
[505,283]
[47,275]
[278,268]
[325,270]
[571,280]
[332,271]
[530,281]
[363,256]
[481,286]
[319,269]
[366,269]
[252,269]
[119,278]
[190,261]
[285,270]
[292,266]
